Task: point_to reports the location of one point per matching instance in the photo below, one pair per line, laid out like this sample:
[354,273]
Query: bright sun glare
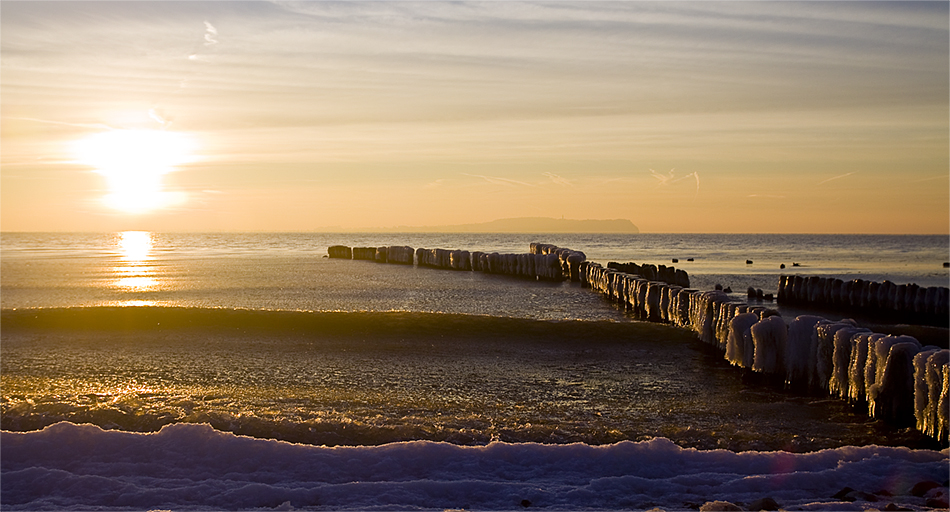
[133,163]
[135,274]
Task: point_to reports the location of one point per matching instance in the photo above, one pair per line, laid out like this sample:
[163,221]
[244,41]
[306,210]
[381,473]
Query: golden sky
[730,117]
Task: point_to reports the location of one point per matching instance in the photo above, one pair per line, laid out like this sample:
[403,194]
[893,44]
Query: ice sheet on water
[193,467]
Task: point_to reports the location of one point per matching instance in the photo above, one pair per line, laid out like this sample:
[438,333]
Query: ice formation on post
[845,343]
[740,330]
[770,336]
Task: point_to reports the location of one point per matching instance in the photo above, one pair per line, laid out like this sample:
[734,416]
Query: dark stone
[946,264]
[763,504]
[690,259]
[921,488]
[748,262]
[750,292]
[727,289]
[781,266]
[890,507]
[525,503]
[796,264]
[938,503]
[675,260]
[842,493]
[720,506]
[860,496]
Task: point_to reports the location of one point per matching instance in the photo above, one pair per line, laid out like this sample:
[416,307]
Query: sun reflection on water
[136,275]
[135,245]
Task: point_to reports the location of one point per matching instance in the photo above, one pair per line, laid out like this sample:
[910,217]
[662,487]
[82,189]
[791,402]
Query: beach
[244,341]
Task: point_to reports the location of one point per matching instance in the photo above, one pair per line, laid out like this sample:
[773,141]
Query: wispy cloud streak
[932,178]
[97,126]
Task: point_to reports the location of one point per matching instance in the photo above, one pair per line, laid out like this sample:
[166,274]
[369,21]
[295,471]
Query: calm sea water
[288,271]
[260,334]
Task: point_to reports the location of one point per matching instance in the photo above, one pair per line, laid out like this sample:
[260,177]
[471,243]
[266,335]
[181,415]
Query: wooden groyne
[899,380]
[650,272]
[544,261]
[905,303]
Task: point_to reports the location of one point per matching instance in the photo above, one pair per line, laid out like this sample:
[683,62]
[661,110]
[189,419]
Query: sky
[708,117]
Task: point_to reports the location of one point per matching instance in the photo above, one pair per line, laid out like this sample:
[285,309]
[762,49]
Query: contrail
[663,179]
[836,177]
[666,180]
[559,179]
[499,181]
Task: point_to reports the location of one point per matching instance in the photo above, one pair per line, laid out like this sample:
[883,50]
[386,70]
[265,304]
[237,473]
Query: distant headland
[523,225]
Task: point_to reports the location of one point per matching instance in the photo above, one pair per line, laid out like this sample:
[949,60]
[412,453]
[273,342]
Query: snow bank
[193,467]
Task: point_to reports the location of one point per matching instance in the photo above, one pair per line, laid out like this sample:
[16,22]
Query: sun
[133,163]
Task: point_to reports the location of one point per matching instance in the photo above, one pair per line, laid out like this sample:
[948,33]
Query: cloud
[662,178]
[494,180]
[669,178]
[97,126]
[435,184]
[837,177]
[210,34]
[932,178]
[158,118]
[210,39]
[564,182]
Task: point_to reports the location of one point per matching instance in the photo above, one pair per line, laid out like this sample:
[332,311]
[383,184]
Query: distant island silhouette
[524,225]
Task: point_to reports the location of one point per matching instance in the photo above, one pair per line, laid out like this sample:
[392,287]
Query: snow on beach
[194,467]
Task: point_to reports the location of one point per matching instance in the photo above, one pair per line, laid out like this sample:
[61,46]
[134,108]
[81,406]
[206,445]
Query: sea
[248,371]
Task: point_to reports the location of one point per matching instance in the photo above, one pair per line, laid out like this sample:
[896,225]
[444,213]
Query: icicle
[922,390]
[844,345]
[938,380]
[824,352]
